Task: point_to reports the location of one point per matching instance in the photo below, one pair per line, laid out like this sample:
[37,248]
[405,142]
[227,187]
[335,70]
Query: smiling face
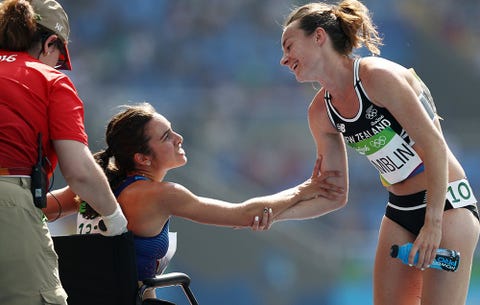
[165,144]
[300,52]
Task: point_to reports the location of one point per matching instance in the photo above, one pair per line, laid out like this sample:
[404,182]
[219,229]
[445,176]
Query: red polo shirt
[35,97]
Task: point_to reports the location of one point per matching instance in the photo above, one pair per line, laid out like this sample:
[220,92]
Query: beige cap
[50,14]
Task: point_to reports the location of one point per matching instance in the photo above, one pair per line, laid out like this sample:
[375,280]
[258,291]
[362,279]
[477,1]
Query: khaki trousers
[28,262]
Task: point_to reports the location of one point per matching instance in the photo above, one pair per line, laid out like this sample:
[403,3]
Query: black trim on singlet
[368,116]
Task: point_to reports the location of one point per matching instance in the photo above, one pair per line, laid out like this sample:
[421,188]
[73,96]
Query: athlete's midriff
[418,182]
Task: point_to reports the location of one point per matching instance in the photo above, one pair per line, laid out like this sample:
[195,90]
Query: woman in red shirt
[42,119]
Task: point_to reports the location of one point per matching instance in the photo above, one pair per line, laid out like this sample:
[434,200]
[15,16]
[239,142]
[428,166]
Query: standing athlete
[385,112]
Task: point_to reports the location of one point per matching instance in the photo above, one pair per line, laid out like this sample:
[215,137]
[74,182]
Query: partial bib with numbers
[460,194]
[88,226]
[409,210]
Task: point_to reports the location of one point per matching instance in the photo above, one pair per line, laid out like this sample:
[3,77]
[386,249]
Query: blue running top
[148,249]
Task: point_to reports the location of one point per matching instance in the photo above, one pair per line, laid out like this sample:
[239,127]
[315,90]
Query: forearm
[213,211]
[223,213]
[436,170]
[311,208]
[60,203]
[229,214]
[278,202]
[84,176]
[316,189]
[95,190]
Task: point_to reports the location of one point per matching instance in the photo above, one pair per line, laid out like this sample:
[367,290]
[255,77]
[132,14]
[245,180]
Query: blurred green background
[212,68]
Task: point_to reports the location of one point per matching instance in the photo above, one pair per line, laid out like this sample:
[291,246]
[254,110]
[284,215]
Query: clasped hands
[315,187]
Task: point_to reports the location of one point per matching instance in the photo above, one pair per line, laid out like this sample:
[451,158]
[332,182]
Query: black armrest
[165,280]
[168,279]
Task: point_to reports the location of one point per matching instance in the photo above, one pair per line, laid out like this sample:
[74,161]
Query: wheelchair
[95,269]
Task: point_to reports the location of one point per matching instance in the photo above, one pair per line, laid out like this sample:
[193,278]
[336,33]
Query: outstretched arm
[330,199]
[176,200]
[331,151]
[317,186]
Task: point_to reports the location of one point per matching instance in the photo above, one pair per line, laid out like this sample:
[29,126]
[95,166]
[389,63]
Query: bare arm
[395,88]
[60,203]
[331,150]
[84,176]
[174,199]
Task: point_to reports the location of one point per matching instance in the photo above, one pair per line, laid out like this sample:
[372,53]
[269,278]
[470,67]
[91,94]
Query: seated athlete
[141,149]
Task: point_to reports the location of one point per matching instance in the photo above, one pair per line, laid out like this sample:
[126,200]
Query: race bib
[460,194]
[88,226]
[394,159]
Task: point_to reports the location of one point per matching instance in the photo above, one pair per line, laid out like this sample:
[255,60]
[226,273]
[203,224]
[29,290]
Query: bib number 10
[460,194]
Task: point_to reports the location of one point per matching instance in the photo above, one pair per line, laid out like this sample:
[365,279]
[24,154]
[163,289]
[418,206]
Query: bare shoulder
[317,103]
[381,77]
[317,114]
[155,192]
[166,189]
[378,67]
